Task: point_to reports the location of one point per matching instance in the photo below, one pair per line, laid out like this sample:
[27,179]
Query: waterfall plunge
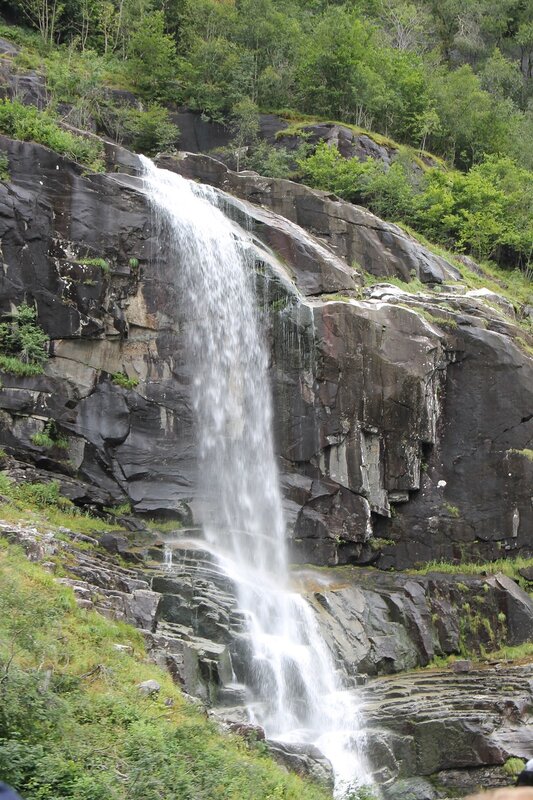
[293,689]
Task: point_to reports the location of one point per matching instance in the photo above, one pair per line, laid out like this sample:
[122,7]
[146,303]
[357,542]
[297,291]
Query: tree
[44,15]
[152,60]
[244,126]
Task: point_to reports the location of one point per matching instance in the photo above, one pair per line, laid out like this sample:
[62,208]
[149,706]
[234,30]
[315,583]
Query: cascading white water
[294,692]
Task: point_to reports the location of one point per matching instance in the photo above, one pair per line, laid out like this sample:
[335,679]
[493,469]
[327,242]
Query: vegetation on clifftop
[453,78]
[74,726]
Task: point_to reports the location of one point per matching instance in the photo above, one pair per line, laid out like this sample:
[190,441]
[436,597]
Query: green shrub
[100,263]
[42,440]
[513,767]
[29,124]
[4,168]
[40,495]
[23,343]
[49,437]
[121,379]
[149,131]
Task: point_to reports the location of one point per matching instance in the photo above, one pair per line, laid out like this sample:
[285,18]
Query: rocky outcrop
[384,399]
[360,238]
[455,727]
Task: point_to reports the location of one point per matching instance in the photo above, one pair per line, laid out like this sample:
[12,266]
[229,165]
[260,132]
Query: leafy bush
[23,342]
[487,212]
[30,124]
[149,131]
[513,767]
[121,379]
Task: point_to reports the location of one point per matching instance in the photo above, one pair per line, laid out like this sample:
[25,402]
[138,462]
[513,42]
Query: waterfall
[294,692]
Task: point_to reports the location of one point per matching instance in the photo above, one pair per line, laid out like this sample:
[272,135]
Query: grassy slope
[72,722]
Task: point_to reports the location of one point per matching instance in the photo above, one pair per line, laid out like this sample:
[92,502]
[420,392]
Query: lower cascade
[293,690]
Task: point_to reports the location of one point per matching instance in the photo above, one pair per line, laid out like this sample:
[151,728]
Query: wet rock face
[400,440]
[458,729]
[356,235]
[81,249]
[379,623]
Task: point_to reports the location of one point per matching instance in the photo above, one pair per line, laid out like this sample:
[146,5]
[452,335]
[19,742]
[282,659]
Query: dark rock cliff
[403,421]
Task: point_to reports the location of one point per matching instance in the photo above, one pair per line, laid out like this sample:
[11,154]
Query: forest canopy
[453,77]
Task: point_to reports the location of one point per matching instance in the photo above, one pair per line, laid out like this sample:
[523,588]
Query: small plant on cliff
[23,343]
[122,380]
[100,263]
[49,437]
[513,767]
[452,511]
[4,168]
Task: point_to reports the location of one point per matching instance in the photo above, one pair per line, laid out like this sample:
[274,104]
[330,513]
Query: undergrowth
[29,124]
[73,725]
[507,566]
[43,506]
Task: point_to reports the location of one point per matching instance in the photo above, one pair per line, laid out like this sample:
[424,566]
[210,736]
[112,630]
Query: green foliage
[30,124]
[487,212]
[508,566]
[120,510]
[452,511]
[525,453]
[23,343]
[72,723]
[443,76]
[42,505]
[100,263]
[49,437]
[151,58]
[513,767]
[4,167]
[37,495]
[122,380]
[147,131]
[42,440]
[15,366]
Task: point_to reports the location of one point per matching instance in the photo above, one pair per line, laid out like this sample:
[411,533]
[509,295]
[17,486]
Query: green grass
[525,453]
[42,506]
[15,366]
[163,526]
[50,437]
[100,263]
[74,727]
[42,440]
[413,286]
[28,124]
[507,566]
